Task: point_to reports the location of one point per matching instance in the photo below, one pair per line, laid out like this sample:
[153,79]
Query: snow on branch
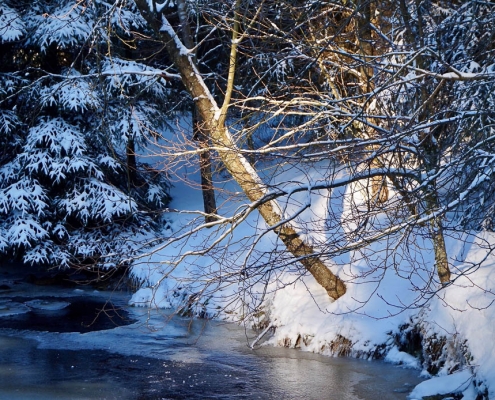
[12,27]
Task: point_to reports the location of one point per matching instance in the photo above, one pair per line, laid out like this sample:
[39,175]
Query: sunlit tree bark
[214,120]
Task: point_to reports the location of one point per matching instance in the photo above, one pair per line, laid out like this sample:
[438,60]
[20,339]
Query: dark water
[83,314]
[129,353]
[28,372]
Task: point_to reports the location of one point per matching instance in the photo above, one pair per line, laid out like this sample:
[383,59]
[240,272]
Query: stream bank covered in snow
[393,309]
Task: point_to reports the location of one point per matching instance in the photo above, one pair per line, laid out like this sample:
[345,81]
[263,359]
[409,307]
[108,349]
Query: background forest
[347,146]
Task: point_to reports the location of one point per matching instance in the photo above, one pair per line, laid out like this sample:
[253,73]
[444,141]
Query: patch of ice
[8,308]
[47,305]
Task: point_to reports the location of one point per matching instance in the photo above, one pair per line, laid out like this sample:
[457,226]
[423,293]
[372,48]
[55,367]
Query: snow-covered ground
[379,305]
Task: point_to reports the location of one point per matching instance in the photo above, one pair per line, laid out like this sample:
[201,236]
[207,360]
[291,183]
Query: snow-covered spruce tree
[445,101]
[460,50]
[74,111]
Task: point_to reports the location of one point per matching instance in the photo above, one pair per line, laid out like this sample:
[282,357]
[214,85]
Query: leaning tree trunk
[438,239]
[234,161]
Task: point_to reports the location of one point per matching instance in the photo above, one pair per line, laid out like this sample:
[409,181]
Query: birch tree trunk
[213,118]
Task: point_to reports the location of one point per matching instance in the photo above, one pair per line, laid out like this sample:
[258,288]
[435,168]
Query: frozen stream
[157,356]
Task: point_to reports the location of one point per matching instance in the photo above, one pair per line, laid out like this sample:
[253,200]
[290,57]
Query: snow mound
[455,383]
[395,356]
[147,297]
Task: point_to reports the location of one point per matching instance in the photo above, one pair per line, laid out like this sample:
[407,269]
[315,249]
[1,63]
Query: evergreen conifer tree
[75,110]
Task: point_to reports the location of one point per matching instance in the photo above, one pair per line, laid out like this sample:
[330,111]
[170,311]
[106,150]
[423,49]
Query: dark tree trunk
[131,163]
[209,202]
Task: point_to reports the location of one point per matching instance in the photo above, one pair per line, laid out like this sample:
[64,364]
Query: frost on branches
[72,189]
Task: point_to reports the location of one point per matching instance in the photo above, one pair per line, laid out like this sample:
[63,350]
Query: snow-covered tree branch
[344,125]
[350,87]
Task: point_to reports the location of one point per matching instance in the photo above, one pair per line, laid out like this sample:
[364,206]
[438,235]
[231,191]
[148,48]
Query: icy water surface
[67,314]
[152,355]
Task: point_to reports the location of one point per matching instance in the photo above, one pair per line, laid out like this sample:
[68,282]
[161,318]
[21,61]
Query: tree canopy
[393,99]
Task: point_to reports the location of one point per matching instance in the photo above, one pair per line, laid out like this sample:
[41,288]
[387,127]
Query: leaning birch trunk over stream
[214,119]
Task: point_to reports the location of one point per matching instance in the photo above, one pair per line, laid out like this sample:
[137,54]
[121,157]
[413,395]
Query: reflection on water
[27,372]
[164,357]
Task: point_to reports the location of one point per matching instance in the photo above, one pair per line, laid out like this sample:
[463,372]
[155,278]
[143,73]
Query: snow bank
[395,356]
[459,382]
[386,289]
